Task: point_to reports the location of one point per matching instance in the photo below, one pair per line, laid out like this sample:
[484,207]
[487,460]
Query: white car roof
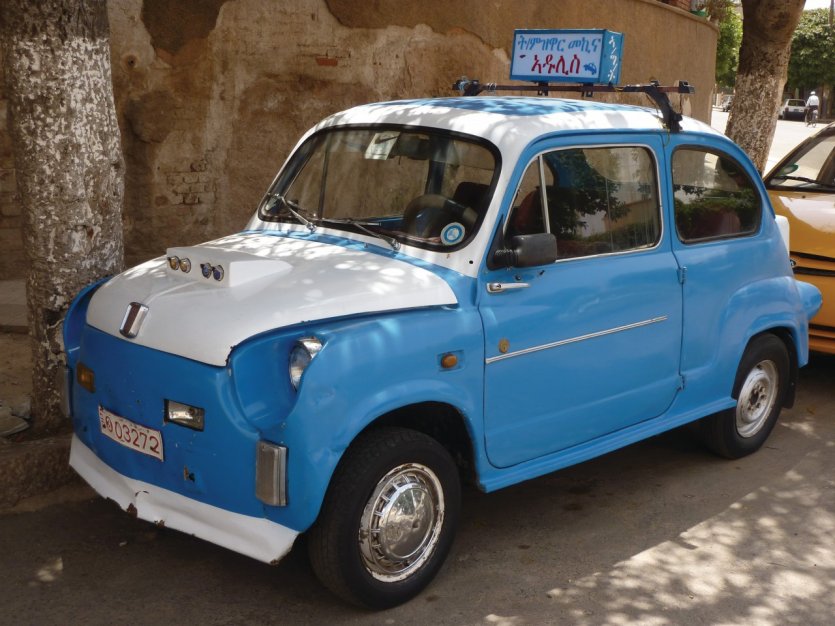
[510,122]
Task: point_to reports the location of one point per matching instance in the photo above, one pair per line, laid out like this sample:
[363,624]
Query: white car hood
[269,282]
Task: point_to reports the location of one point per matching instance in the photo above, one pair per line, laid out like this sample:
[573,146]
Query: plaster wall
[212,96]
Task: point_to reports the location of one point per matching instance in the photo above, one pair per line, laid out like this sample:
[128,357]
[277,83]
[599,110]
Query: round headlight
[185,265]
[301,355]
[173,262]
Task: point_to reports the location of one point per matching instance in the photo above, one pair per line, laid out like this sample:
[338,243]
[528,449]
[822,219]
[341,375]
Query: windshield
[810,168]
[423,187]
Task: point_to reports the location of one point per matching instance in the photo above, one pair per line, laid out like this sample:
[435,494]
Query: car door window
[714,197]
[598,200]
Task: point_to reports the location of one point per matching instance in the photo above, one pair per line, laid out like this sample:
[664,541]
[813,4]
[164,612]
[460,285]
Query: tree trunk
[70,171]
[767,28]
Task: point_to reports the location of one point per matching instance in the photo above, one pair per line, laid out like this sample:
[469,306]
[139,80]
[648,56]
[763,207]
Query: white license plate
[140,438]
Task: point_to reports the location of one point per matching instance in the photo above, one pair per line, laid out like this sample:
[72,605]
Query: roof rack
[653,89]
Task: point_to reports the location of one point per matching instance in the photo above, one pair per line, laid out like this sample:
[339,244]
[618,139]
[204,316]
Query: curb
[31,468]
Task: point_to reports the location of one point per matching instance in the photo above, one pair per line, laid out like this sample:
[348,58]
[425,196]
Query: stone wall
[212,95]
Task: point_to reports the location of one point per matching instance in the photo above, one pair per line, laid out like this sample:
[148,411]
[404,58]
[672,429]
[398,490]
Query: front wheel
[388,519]
[759,388]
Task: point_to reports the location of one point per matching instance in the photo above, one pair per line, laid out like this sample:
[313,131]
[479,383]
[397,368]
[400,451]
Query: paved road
[787,135]
[658,533]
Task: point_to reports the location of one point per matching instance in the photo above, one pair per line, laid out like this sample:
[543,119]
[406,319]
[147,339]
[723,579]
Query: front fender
[75,319]
[366,369]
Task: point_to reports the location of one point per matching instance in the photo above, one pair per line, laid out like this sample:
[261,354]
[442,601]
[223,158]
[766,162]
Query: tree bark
[70,170]
[767,28]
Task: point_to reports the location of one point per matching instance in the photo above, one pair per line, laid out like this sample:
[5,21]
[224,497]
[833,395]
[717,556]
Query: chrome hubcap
[756,398]
[401,522]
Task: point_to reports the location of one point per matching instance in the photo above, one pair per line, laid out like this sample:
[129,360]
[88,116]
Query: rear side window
[597,200]
[714,197]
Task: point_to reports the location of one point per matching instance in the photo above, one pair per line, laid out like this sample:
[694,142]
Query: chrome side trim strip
[563,342]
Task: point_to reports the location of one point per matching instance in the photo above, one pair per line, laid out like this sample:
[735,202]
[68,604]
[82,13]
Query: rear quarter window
[714,197]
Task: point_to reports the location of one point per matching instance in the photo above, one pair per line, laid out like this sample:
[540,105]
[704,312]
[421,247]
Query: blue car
[433,292]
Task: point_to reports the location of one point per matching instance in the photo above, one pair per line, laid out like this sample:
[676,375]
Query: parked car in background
[435,290]
[727,102]
[802,188]
[792,109]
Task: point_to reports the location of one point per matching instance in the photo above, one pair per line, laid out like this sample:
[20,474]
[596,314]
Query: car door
[591,343]
[727,254]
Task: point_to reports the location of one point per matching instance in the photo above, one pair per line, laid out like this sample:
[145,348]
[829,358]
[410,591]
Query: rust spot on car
[131,510]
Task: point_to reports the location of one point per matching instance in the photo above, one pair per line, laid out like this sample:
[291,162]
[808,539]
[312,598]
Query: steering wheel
[427,215]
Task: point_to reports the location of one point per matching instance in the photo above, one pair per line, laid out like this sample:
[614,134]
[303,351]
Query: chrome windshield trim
[563,342]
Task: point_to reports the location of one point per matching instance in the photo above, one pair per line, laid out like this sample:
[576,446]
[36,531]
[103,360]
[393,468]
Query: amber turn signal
[448,361]
[85,377]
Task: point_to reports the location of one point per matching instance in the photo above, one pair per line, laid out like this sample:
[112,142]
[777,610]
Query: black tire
[401,465]
[762,380]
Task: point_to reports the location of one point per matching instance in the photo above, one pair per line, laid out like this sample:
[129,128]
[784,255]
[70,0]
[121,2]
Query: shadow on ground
[658,533]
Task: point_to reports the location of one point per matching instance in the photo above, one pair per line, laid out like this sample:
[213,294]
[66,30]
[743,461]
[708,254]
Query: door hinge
[682,274]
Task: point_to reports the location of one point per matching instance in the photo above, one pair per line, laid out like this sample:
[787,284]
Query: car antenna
[658,93]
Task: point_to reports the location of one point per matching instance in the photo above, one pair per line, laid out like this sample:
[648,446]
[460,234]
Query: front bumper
[255,537]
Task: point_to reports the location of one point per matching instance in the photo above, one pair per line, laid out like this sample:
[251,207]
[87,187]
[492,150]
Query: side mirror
[527,251]
[791,168]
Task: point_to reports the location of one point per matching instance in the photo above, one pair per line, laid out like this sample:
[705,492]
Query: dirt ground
[29,465]
[15,369]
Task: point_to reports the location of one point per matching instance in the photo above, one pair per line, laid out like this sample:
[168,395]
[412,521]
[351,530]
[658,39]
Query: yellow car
[802,187]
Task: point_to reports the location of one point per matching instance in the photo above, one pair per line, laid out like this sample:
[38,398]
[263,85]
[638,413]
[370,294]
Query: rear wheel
[388,519]
[760,387]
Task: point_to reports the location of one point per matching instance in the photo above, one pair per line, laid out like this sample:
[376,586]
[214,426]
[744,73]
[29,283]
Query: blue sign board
[567,56]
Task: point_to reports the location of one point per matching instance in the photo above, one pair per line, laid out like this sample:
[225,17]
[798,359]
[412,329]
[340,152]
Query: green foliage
[812,62]
[700,216]
[727,48]
[717,10]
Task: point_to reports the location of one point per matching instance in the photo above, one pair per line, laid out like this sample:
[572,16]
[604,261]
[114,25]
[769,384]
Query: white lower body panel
[256,537]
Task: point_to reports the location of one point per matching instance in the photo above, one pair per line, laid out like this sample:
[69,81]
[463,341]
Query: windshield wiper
[802,179]
[294,209]
[363,226]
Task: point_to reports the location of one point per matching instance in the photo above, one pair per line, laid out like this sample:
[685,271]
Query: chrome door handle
[500,287]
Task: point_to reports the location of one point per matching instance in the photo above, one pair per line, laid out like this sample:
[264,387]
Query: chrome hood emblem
[132,322]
